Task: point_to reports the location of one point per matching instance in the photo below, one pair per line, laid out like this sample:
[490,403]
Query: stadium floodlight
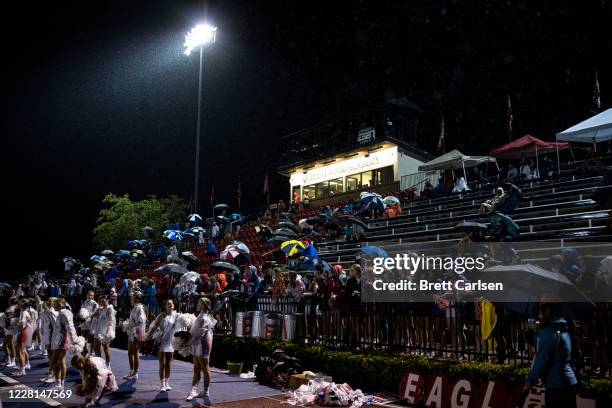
[199,36]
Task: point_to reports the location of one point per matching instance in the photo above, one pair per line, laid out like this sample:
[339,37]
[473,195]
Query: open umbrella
[137,253]
[221,207]
[224,266]
[232,253]
[171,269]
[276,240]
[173,235]
[190,276]
[292,247]
[107,252]
[391,200]
[511,226]
[98,259]
[285,232]
[372,201]
[5,285]
[222,218]
[194,218]
[148,229]
[287,224]
[313,265]
[196,230]
[527,283]
[188,255]
[242,247]
[373,251]
[471,226]
[122,254]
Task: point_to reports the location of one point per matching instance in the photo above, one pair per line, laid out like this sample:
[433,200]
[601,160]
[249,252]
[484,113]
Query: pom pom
[2,320]
[181,346]
[78,345]
[125,326]
[185,320]
[84,314]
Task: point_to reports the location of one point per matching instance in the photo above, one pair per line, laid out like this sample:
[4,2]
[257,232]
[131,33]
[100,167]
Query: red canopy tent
[526,146]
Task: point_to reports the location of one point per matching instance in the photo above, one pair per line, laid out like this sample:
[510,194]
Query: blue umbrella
[314,264]
[132,243]
[372,201]
[374,252]
[123,254]
[173,235]
[98,259]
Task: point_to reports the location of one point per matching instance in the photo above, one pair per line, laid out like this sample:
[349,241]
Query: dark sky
[99,98]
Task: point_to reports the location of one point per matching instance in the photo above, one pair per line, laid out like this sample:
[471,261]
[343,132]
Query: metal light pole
[198,37]
[197,158]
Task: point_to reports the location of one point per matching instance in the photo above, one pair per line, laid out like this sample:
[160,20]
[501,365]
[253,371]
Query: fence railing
[422,329]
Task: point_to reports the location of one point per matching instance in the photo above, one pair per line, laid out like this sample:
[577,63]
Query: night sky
[99,97]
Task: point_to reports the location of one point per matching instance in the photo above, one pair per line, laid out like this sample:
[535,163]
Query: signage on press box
[366,135]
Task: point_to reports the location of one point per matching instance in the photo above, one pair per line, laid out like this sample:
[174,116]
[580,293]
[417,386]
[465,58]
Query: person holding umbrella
[552,363]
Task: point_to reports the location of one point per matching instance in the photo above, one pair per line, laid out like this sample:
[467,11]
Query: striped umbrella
[292,247]
[230,253]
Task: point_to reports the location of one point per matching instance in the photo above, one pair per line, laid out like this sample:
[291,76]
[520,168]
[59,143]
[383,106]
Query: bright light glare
[200,35]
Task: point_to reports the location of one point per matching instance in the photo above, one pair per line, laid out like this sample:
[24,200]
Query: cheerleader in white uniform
[10,331]
[164,327]
[62,337]
[23,337]
[86,313]
[135,329]
[201,344]
[36,340]
[47,320]
[97,378]
[104,331]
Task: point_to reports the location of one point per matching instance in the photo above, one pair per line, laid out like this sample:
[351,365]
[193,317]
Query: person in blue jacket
[553,358]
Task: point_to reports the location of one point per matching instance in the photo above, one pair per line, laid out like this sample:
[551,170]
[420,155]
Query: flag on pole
[442,135]
[510,118]
[238,193]
[596,94]
[266,187]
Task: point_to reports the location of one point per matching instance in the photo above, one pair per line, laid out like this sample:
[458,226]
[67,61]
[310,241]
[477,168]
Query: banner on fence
[439,391]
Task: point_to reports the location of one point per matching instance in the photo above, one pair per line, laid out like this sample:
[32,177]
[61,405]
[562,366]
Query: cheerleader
[23,336]
[62,337]
[164,327]
[135,329]
[86,314]
[47,320]
[36,337]
[10,331]
[96,376]
[104,331]
[201,344]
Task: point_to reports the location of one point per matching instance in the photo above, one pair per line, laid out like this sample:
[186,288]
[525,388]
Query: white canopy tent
[455,160]
[593,130]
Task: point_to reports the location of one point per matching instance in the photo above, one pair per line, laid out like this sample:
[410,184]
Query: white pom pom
[186,320]
[125,325]
[2,320]
[84,314]
[78,345]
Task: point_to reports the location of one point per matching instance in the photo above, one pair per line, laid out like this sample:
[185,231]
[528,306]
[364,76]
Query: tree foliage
[122,219]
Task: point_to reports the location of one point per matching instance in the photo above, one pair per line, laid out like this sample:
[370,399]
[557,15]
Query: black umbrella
[287,224]
[190,256]
[286,232]
[5,285]
[527,283]
[171,269]
[276,240]
[224,266]
[316,220]
[221,207]
[470,226]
